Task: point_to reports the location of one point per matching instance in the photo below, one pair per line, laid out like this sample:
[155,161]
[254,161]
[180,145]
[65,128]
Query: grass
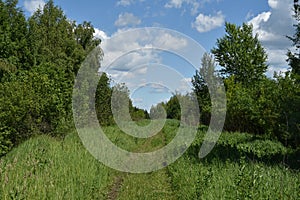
[231,180]
[44,167]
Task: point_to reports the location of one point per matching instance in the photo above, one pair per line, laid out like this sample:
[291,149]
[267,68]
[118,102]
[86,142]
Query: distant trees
[240,54]
[104,101]
[158,111]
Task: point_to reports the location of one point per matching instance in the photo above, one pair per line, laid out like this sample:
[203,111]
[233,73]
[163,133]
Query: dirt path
[115,187]
[154,185]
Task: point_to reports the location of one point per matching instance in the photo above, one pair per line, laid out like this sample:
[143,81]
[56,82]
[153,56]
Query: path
[154,185]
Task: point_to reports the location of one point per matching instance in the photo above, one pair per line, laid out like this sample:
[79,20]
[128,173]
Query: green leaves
[240,54]
[200,81]
[39,59]
[294,57]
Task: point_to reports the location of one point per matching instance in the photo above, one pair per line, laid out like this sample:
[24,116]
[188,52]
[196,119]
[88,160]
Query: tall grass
[217,179]
[48,168]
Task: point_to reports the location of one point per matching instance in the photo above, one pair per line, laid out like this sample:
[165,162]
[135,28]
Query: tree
[292,106]
[84,36]
[13,44]
[200,87]
[103,101]
[241,54]
[39,59]
[294,58]
[173,107]
[158,111]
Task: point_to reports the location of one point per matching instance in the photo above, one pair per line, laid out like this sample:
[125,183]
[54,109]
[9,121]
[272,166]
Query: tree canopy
[241,54]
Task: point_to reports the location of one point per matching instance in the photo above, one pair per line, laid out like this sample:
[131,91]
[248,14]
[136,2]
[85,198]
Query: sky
[131,55]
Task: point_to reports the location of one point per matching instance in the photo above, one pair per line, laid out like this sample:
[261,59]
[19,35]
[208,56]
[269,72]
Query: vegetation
[240,54]
[44,167]
[257,157]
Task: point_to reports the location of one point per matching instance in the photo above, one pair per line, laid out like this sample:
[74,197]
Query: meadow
[44,167]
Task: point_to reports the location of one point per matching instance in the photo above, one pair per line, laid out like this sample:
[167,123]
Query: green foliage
[252,109]
[236,145]
[294,57]
[158,111]
[262,148]
[39,59]
[121,102]
[5,139]
[47,168]
[35,103]
[173,108]
[289,110]
[179,107]
[220,179]
[138,114]
[103,101]
[200,82]
[13,32]
[240,54]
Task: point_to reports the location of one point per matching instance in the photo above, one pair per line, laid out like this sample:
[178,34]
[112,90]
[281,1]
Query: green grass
[232,180]
[44,167]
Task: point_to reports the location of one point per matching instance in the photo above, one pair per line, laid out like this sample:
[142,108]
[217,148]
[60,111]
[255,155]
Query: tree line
[266,107]
[41,55]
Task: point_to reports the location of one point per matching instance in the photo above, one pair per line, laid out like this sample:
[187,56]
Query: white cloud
[179,3]
[205,23]
[169,41]
[263,17]
[32,5]
[273,3]
[185,86]
[174,4]
[158,88]
[272,28]
[136,57]
[127,2]
[100,34]
[124,2]
[127,19]
[193,4]
[118,50]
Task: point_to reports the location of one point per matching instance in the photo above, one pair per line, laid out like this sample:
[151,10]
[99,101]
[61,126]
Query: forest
[257,156]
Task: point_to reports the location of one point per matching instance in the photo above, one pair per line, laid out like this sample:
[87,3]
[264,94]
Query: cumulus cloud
[127,19]
[205,23]
[32,5]
[136,57]
[136,48]
[272,28]
[100,34]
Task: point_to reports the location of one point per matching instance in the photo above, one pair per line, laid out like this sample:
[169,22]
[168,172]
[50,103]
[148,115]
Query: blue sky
[200,20]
